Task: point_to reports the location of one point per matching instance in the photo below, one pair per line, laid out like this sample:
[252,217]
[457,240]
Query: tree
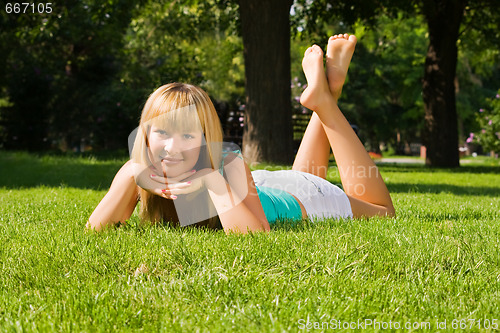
[187,41]
[82,73]
[265,28]
[60,75]
[447,21]
[444,19]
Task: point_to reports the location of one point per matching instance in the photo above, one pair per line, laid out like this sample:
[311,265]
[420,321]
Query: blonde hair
[183,106]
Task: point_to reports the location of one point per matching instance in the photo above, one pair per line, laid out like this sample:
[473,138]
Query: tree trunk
[265,27]
[441,134]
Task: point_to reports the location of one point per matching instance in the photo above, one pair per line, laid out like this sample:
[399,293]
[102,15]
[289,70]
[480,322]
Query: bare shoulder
[231,156]
[125,175]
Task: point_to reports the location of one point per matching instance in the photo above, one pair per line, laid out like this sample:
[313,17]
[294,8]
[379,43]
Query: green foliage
[384,88]
[312,16]
[382,95]
[61,75]
[478,67]
[183,41]
[78,77]
[489,121]
[437,260]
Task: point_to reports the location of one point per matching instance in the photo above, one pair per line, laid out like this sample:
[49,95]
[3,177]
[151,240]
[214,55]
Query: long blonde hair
[164,105]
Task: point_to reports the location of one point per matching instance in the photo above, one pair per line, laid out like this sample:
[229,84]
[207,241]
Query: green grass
[439,259]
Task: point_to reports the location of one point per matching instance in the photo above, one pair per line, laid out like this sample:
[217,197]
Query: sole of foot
[338,57]
[317,85]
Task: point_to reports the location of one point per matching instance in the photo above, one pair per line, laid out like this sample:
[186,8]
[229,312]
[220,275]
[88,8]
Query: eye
[161,132]
[188,136]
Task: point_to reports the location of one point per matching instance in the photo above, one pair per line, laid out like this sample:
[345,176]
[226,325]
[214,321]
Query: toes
[353,38]
[315,48]
[342,36]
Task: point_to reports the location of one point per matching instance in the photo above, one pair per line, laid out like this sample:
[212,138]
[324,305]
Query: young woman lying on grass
[178,167]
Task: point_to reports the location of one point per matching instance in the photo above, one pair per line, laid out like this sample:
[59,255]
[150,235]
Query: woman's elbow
[92,227]
[390,211]
[95,225]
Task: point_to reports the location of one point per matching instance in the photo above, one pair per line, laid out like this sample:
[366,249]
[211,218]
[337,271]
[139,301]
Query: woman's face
[178,151]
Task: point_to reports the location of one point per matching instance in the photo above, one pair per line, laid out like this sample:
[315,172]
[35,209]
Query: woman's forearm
[234,214]
[119,203]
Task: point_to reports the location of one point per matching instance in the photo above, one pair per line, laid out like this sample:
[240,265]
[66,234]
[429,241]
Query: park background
[75,79]
[72,85]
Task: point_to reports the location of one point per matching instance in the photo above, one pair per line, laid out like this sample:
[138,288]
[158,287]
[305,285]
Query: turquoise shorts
[320,198]
[278,204]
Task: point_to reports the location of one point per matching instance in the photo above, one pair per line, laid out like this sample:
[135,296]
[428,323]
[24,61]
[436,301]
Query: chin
[177,170]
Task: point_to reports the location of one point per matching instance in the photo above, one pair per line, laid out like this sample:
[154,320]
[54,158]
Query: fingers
[172,191]
[171,187]
[177,187]
[167,194]
[166,187]
[166,184]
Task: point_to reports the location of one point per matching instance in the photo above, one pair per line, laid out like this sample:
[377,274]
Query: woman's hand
[149,180]
[189,182]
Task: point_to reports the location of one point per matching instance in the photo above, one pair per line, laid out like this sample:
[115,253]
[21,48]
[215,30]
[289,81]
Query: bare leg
[360,177]
[314,149]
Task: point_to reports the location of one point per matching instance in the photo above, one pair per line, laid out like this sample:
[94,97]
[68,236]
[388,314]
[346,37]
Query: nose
[172,146]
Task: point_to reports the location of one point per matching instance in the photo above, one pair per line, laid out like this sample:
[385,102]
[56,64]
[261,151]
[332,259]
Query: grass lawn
[437,261]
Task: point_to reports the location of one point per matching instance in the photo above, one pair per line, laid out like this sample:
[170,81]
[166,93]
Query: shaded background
[75,79]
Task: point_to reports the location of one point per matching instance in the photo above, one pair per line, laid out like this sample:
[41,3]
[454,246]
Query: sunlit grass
[438,259]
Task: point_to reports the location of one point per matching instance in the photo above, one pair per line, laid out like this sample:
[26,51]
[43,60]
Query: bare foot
[317,86]
[338,57]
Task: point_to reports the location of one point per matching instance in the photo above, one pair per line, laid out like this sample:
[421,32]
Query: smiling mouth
[171,160]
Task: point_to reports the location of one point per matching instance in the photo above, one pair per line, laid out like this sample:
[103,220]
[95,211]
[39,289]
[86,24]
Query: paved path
[403,160]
